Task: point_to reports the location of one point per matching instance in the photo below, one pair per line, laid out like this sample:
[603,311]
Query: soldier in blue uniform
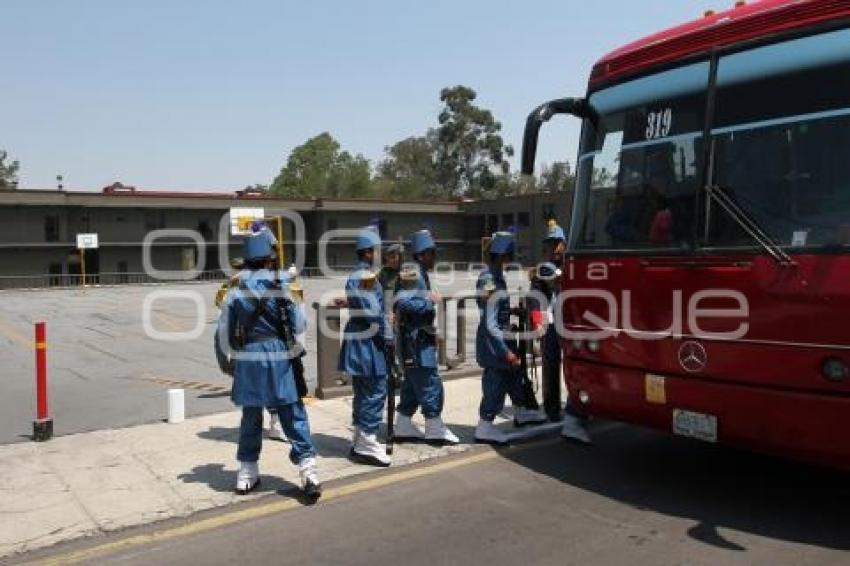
[492,349]
[252,343]
[367,337]
[546,283]
[422,388]
[575,424]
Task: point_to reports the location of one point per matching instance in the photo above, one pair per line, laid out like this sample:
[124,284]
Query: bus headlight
[835,369]
[593,345]
[577,344]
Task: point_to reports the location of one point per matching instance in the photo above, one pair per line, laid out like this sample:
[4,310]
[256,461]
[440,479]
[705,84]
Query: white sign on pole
[87,241]
[242,218]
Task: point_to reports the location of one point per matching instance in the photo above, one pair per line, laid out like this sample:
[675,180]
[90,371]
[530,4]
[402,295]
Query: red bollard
[42,426]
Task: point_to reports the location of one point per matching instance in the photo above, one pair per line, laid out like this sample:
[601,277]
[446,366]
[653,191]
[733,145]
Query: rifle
[285,330]
[393,383]
[523,344]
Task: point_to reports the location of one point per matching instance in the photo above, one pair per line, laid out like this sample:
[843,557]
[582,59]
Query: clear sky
[213,94]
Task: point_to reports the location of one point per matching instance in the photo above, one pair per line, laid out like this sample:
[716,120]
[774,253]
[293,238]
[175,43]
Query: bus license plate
[695,425]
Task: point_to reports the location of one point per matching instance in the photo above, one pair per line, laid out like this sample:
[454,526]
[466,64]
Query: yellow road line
[264,510]
[171,322]
[15,337]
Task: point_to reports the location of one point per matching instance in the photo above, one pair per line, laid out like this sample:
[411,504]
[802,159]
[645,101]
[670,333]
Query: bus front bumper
[806,426]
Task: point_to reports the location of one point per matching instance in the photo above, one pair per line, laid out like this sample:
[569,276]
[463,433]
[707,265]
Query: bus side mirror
[578,107]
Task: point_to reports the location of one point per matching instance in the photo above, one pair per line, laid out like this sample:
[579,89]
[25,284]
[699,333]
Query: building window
[154,220]
[55,271]
[205,230]
[507,220]
[548,211]
[492,223]
[523,220]
[51,228]
[477,225]
[122,272]
[333,224]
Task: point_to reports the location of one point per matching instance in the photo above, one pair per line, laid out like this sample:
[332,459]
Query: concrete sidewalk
[88,483]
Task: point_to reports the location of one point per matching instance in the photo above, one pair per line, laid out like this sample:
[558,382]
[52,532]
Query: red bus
[709,245]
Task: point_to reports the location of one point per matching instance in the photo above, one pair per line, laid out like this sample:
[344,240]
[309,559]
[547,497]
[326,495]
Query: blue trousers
[422,387]
[496,383]
[370,394]
[293,419]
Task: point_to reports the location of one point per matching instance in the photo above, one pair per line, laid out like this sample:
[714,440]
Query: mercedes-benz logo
[692,356]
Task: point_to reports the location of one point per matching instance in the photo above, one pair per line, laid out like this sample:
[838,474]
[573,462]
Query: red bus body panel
[766,389]
[752,21]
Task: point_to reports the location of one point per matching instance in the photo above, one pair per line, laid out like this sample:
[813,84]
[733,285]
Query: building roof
[209,199]
[716,30]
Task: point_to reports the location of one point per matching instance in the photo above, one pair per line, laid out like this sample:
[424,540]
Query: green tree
[471,155]
[8,171]
[408,171]
[557,178]
[319,168]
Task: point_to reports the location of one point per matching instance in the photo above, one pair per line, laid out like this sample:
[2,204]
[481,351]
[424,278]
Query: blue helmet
[258,246]
[554,232]
[502,243]
[422,241]
[367,239]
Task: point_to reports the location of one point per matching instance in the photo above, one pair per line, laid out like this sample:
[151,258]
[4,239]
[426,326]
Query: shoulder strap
[259,309]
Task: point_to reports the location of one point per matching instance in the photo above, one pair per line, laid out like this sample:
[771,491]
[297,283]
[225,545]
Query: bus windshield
[780,143]
[641,163]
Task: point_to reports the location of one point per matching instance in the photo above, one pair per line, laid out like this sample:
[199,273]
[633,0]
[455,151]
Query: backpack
[238,333]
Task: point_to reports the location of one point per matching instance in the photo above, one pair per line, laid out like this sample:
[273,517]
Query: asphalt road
[105,371]
[636,497]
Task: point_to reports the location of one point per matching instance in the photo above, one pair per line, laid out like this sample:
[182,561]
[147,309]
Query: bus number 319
[658,124]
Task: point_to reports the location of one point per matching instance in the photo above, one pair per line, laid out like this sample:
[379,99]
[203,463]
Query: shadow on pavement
[219,395]
[331,446]
[222,480]
[221,433]
[327,446]
[715,486]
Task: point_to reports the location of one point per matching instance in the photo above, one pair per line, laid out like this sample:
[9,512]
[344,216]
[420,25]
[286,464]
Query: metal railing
[330,382]
[109,279]
[68,281]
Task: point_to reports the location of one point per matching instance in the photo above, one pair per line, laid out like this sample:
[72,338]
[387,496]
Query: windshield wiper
[722,197]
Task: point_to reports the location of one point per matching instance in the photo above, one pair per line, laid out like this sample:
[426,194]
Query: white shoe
[247,477]
[310,483]
[275,428]
[523,416]
[487,433]
[404,429]
[438,433]
[367,450]
[574,429]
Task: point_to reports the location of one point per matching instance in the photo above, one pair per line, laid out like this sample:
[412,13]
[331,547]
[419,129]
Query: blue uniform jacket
[364,355]
[264,378]
[490,346]
[417,310]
